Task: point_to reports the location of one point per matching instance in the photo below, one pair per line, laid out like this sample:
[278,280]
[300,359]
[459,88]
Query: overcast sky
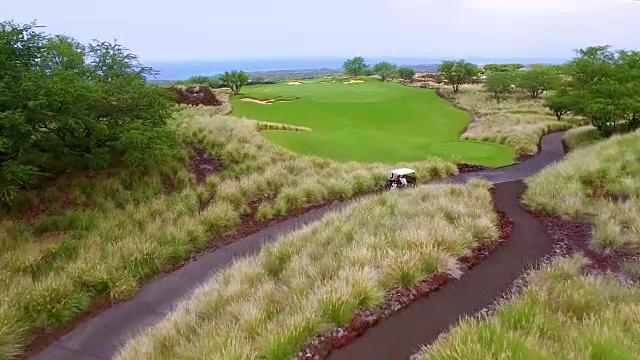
[163,30]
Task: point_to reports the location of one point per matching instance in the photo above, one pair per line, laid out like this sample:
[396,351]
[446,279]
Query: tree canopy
[65,106]
[406,73]
[235,80]
[603,86]
[502,67]
[385,70]
[499,83]
[538,79]
[209,81]
[355,66]
[457,72]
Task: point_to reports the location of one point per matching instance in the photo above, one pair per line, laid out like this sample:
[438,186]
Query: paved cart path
[403,333]
[101,336]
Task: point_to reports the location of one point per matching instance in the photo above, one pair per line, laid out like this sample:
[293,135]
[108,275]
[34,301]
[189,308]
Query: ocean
[183,70]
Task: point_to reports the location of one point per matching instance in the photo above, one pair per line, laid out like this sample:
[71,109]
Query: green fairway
[367,122]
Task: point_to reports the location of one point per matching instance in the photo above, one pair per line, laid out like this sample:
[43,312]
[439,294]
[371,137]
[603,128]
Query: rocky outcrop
[196,95]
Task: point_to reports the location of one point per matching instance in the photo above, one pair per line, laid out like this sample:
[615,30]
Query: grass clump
[127,228]
[562,314]
[269,305]
[600,183]
[515,121]
[581,136]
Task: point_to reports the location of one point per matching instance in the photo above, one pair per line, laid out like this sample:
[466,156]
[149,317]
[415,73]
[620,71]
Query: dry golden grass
[516,121]
[560,315]
[581,136]
[52,270]
[600,183]
[265,125]
[269,305]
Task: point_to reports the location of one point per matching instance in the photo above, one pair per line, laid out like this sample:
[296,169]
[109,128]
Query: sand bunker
[353,81]
[294,83]
[263,102]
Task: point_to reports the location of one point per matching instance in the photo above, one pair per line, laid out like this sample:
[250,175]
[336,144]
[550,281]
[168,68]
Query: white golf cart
[401,178]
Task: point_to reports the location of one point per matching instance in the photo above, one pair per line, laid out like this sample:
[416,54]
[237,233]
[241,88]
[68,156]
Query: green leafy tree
[537,80]
[209,81]
[627,74]
[235,80]
[406,73]
[601,86]
[65,106]
[502,67]
[499,83]
[560,102]
[355,66]
[457,72]
[385,70]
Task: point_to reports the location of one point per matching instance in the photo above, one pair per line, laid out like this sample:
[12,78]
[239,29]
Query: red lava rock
[467,168]
[196,95]
[323,351]
[203,165]
[440,279]
[424,288]
[344,339]
[361,322]
[577,236]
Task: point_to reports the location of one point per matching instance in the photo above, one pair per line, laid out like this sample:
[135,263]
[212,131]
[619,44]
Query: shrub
[65,106]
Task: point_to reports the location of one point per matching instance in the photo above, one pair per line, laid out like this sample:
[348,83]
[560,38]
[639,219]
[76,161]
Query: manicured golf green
[368,122]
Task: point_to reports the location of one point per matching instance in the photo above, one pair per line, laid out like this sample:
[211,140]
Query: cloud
[542,5]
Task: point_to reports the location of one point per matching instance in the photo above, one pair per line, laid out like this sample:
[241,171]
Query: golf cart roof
[402,171]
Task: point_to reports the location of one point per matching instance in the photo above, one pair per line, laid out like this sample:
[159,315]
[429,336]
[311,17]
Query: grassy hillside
[108,234]
[368,122]
[267,306]
[517,121]
[601,183]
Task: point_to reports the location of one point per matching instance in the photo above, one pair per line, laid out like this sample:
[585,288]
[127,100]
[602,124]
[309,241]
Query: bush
[66,106]
[406,73]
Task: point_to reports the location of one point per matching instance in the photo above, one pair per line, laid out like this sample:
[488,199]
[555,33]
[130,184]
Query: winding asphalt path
[101,336]
[403,333]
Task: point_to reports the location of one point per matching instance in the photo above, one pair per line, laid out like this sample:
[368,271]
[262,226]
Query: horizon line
[293,58]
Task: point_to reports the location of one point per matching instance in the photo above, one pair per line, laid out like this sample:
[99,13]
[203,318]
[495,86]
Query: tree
[355,66]
[502,67]
[65,106]
[406,73]
[560,102]
[209,81]
[537,80]
[457,72]
[603,86]
[627,74]
[385,70]
[235,80]
[499,83]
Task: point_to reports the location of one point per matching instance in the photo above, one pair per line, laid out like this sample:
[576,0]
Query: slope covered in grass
[368,122]
[125,228]
[581,136]
[600,183]
[516,121]
[269,305]
[562,314]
